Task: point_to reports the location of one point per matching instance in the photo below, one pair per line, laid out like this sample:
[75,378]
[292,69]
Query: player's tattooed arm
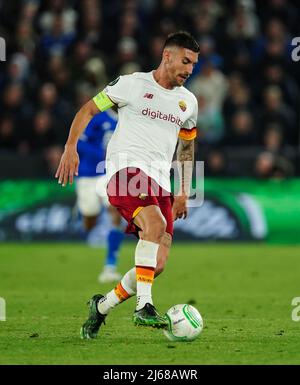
[185,157]
[185,161]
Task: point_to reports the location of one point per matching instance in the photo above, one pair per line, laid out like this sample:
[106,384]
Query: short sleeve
[119,90]
[189,130]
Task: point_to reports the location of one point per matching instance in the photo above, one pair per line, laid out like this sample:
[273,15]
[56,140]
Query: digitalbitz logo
[162,116]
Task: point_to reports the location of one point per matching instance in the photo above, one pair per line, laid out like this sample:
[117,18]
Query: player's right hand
[68,166]
[179,208]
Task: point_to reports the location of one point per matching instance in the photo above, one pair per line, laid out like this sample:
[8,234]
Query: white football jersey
[151,118]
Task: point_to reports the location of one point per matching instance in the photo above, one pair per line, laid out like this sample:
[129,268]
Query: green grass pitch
[244,293]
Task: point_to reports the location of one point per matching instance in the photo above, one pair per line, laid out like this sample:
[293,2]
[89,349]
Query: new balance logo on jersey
[148,96]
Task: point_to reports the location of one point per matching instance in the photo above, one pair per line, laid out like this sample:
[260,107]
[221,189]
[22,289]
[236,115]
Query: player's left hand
[179,208]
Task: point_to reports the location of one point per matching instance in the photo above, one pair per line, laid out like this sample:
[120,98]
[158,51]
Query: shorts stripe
[136,211]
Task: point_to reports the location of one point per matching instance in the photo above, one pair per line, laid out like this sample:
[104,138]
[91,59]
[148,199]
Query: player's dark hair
[182,39]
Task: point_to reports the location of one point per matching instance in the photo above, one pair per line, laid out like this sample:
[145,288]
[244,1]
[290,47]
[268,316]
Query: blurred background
[61,53]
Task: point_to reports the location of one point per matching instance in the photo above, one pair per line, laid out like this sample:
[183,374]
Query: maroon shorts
[130,189]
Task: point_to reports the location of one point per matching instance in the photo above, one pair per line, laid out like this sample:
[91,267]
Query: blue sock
[114,240]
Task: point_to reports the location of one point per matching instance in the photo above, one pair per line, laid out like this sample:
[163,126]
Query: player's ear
[167,55]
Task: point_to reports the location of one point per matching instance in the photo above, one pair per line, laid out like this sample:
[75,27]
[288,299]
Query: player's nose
[190,70]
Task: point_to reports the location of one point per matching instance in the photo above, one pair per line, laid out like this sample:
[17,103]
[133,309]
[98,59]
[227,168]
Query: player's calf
[163,253]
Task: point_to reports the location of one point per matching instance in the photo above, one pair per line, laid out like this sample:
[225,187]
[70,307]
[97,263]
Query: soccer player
[155,112]
[91,187]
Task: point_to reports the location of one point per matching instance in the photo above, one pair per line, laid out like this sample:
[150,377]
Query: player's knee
[154,231]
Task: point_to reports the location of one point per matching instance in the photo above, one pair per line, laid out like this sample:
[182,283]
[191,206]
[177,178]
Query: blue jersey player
[91,186]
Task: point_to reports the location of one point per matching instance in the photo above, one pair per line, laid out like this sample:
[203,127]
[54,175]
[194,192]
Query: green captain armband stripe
[102,101]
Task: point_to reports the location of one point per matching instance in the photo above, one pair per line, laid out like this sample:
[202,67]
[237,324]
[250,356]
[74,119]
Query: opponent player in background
[155,112]
[92,150]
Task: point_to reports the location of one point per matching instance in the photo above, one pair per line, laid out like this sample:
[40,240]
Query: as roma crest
[182,105]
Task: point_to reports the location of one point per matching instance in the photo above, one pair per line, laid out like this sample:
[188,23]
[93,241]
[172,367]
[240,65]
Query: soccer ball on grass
[185,323]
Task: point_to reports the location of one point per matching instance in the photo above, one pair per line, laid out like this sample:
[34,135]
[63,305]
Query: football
[185,323]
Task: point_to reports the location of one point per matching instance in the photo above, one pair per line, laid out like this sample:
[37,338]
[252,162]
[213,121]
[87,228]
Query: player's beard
[181,81]
[175,80]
